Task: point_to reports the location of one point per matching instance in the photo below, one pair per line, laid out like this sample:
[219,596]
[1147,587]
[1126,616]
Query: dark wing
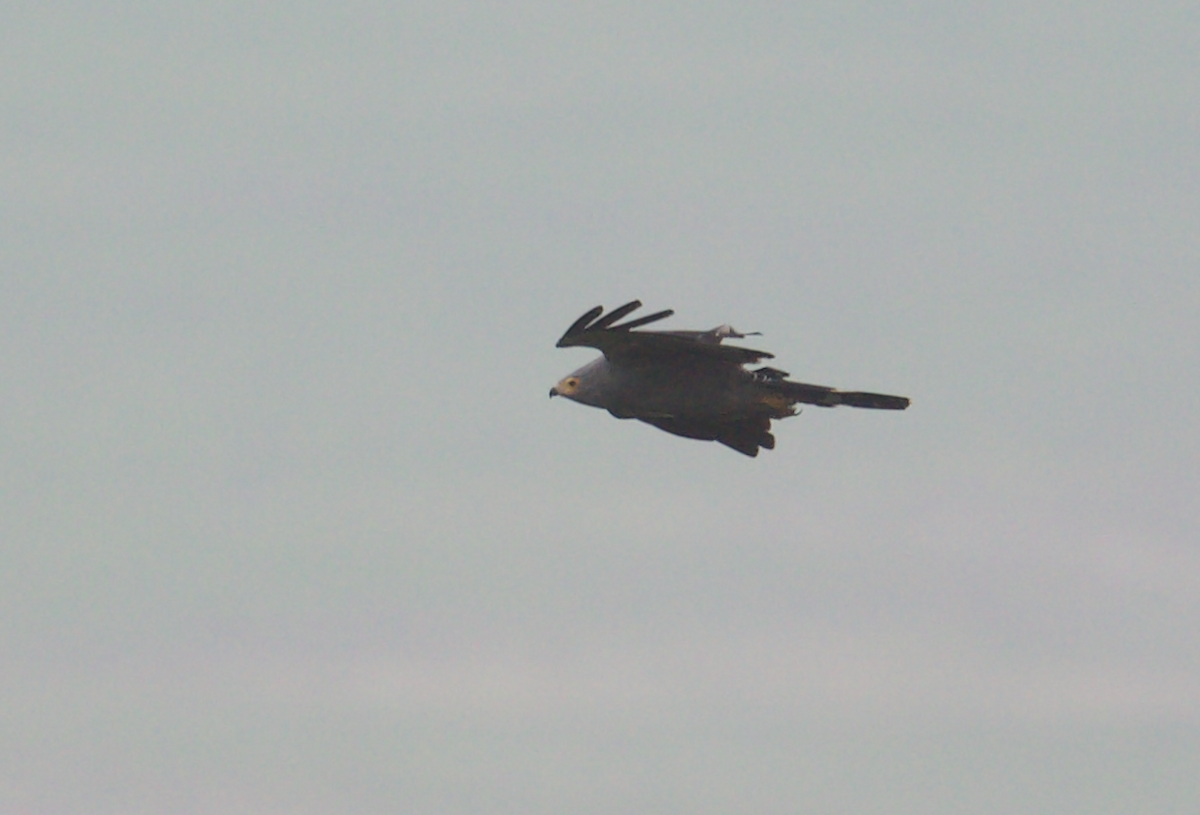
[619,342]
[745,435]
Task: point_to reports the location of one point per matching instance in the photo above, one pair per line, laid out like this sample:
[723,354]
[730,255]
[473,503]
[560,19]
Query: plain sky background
[288,524]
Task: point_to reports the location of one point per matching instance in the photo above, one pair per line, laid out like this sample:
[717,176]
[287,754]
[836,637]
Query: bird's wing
[620,343]
[745,435]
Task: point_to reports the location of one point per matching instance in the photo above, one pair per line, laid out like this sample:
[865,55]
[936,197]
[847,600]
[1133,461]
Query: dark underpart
[744,435]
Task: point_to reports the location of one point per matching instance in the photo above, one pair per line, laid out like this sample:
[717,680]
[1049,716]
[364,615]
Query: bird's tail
[878,401]
[829,397]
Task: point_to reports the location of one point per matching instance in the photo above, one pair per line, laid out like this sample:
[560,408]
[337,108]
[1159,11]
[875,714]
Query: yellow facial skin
[566,386]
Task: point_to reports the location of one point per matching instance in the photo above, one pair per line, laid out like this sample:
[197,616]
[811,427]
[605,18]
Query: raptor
[689,383]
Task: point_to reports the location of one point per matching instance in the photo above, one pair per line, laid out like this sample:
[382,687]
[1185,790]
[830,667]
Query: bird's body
[688,383]
[679,388]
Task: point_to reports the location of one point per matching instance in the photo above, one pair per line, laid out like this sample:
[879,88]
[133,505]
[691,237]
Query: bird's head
[567,386]
[585,385]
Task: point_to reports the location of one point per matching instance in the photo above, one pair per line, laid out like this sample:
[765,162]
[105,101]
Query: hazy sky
[288,524]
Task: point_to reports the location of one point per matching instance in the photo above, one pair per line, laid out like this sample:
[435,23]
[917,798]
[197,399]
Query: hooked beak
[554,392]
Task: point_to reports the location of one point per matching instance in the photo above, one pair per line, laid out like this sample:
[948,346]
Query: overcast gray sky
[288,524]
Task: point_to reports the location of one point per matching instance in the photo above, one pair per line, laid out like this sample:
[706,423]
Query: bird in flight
[688,383]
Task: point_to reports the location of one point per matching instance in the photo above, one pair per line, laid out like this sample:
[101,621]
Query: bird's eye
[571,383]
